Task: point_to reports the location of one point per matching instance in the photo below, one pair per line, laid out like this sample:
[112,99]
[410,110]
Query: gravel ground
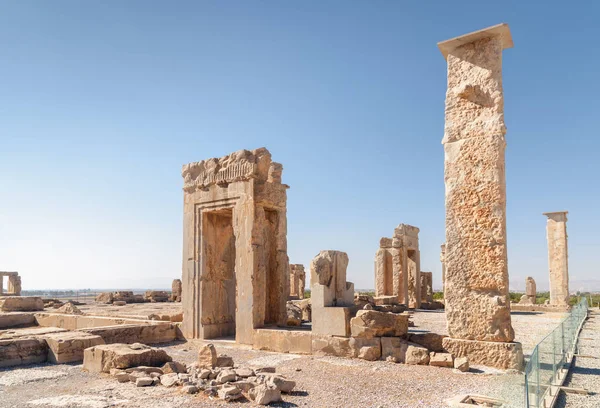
[320,381]
[586,372]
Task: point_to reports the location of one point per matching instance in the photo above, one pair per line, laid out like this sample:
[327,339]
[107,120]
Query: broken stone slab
[207,356]
[144,382]
[461,364]
[226,376]
[170,380]
[229,393]
[68,347]
[104,297]
[174,367]
[189,389]
[119,303]
[21,304]
[23,350]
[262,370]
[371,323]
[104,357]
[224,361]
[431,341]
[398,350]
[244,372]
[417,355]
[16,319]
[145,369]
[244,385]
[441,359]
[264,394]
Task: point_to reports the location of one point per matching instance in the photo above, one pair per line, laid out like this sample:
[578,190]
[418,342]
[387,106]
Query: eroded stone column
[443,261]
[476,282]
[332,297]
[297,281]
[426,287]
[558,257]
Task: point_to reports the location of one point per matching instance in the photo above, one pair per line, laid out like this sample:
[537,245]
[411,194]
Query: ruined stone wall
[235,245]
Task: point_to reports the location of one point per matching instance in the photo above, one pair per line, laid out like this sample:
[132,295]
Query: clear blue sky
[102,102]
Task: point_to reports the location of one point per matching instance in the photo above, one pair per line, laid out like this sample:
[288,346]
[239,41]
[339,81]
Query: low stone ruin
[176,290]
[297,281]
[14,284]
[156,296]
[530,292]
[212,375]
[21,304]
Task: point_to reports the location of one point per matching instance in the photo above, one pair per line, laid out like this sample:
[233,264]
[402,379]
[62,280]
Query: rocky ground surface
[320,381]
[586,372]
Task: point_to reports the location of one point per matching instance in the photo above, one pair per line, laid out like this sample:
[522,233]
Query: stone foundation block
[441,359]
[488,353]
[133,333]
[16,319]
[22,351]
[67,347]
[431,341]
[371,323]
[398,349]
[385,300]
[331,321]
[331,346]
[105,357]
[283,341]
[21,304]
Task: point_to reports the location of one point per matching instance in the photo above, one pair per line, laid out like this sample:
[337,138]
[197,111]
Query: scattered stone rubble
[212,375]
[69,308]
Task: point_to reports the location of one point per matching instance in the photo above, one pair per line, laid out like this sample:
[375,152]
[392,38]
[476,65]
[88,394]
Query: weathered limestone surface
[476,279]
[443,262]
[431,341]
[349,347]
[283,341]
[67,347]
[397,266]
[135,333]
[558,257]
[22,350]
[426,287]
[21,303]
[403,351]
[530,292]
[494,354]
[371,323]
[477,303]
[16,319]
[235,263]
[176,288]
[102,358]
[331,296]
[297,281]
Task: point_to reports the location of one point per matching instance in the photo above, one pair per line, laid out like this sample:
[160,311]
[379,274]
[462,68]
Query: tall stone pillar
[1,284]
[443,261]
[556,233]
[476,283]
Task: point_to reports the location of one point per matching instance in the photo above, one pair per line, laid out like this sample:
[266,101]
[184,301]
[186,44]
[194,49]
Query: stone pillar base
[487,353]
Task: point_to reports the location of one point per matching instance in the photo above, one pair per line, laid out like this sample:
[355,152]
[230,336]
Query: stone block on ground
[207,356]
[264,394]
[488,353]
[331,321]
[68,346]
[441,359]
[397,349]
[461,364]
[294,314]
[283,341]
[21,304]
[23,350]
[16,319]
[371,323]
[174,367]
[104,297]
[104,357]
[229,393]
[431,341]
[224,361]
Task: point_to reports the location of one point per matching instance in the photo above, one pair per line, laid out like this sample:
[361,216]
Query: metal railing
[545,366]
